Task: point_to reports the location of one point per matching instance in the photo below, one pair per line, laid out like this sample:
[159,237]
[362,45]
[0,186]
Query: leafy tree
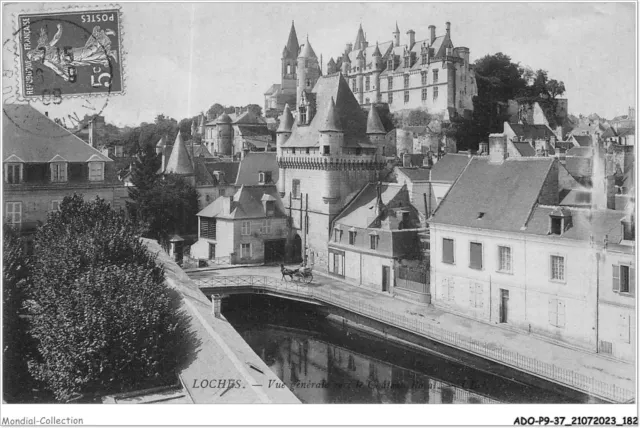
[17,344]
[215,110]
[99,308]
[417,118]
[255,109]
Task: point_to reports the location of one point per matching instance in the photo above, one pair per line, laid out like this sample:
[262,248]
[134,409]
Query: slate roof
[348,111]
[34,138]
[201,151]
[360,212]
[580,151]
[252,164]
[286,120]
[504,193]
[532,131]
[626,131]
[306,51]
[416,174]
[273,88]
[230,170]
[249,118]
[179,162]
[292,45]
[524,149]
[584,223]
[579,166]
[247,203]
[449,167]
[583,140]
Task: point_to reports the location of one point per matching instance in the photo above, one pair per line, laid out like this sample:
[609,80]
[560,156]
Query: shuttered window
[447,251]
[476,295]
[556,312]
[624,328]
[208,228]
[475,255]
[624,279]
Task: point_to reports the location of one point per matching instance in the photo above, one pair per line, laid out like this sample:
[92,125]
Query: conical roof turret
[374,124]
[223,118]
[332,122]
[360,39]
[376,52]
[286,120]
[292,47]
[397,29]
[307,50]
[331,62]
[179,162]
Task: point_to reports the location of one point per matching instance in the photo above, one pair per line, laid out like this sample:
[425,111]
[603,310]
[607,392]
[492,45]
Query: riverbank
[221,368]
[604,378]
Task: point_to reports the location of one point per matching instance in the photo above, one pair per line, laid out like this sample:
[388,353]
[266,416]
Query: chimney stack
[349,47]
[448,24]
[497,148]
[432,31]
[406,160]
[412,38]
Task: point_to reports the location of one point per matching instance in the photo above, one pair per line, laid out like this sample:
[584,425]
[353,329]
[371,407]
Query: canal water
[323,361]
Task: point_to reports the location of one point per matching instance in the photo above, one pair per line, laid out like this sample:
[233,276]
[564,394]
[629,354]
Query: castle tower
[201,122]
[282,135]
[290,65]
[361,41]
[331,66]
[308,70]
[223,139]
[376,132]
[360,63]
[396,36]
[346,64]
[377,69]
[331,142]
[180,162]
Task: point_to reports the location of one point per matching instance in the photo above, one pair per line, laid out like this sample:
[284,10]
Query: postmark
[70,53]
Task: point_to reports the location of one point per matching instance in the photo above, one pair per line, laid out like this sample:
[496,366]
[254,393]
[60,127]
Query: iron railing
[414,325]
[412,279]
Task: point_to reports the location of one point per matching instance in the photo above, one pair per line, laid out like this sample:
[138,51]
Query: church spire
[360,39]
[292,43]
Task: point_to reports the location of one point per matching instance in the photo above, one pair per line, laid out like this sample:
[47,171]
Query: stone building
[39,170]
[249,226]
[236,134]
[325,156]
[430,74]
[504,251]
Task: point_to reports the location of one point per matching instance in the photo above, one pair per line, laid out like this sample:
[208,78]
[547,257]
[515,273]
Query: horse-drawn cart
[303,274]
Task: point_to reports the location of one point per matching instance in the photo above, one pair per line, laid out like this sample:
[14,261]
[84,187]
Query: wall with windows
[223,239]
[559,303]
[617,309]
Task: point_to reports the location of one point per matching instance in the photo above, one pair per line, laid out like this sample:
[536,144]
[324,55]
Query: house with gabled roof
[44,162]
[505,252]
[249,226]
[371,237]
[238,133]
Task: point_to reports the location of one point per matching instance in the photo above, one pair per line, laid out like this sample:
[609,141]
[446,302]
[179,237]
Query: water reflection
[320,372]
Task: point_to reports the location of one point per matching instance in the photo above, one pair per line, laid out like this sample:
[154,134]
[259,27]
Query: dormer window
[424,59]
[556,226]
[406,62]
[58,171]
[390,81]
[96,171]
[264,177]
[303,115]
[270,208]
[559,221]
[13,173]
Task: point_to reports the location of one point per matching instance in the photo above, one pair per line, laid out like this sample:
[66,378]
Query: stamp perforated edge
[15,38]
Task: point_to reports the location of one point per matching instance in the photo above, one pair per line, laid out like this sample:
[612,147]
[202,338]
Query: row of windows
[424,95]
[623,276]
[14,172]
[13,210]
[265,227]
[373,239]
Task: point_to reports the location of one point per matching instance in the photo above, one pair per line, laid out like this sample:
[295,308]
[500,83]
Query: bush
[99,307]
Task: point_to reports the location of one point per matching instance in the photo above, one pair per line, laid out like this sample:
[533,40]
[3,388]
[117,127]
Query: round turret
[223,138]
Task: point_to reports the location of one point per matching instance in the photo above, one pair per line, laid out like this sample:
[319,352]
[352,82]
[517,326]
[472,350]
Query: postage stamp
[70,53]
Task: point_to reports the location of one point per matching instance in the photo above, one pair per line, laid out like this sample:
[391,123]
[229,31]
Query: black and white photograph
[370,208]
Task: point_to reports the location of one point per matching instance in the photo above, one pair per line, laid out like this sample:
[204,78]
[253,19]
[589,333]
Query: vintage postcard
[347,205]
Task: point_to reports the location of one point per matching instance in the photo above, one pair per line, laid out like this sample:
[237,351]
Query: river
[322,361]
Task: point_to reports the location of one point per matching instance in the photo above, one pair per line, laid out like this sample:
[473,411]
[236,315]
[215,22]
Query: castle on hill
[429,74]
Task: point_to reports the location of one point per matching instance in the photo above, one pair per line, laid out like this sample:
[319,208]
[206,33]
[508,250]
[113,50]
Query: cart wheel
[308,278]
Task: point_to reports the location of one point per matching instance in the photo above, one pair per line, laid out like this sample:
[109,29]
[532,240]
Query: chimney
[448,24]
[406,160]
[497,148]
[412,38]
[349,47]
[432,30]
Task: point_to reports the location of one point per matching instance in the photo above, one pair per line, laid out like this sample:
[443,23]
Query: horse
[288,272]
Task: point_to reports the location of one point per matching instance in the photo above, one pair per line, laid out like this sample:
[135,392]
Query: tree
[255,109]
[99,308]
[418,118]
[215,110]
[17,344]
[555,88]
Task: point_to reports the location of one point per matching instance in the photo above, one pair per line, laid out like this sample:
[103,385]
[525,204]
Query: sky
[180,58]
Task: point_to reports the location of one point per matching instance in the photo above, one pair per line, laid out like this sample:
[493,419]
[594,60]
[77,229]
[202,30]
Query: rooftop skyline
[182,58]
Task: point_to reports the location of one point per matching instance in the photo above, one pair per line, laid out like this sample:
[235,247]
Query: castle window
[352,237]
[406,62]
[390,97]
[295,188]
[353,85]
[424,94]
[435,94]
[557,268]
[373,241]
[367,83]
[390,64]
[390,80]
[556,225]
[308,82]
[326,150]
[406,96]
[435,76]
[406,80]
[424,77]
[424,59]
[303,115]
